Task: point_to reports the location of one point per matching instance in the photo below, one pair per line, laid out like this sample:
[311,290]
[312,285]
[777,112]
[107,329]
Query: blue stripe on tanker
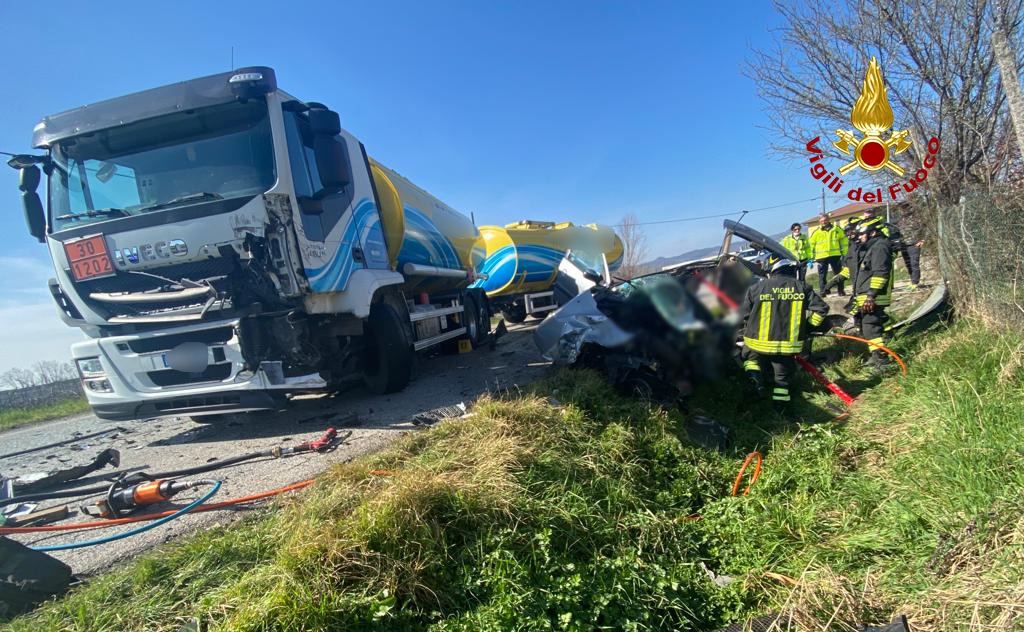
[424,244]
[334,275]
[499,268]
[538,262]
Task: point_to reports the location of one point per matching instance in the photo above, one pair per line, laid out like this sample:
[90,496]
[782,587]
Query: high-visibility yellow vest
[828,242]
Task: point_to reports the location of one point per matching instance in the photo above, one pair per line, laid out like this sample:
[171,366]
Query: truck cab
[224,245]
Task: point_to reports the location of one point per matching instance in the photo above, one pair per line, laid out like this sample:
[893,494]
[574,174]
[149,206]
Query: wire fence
[981,254]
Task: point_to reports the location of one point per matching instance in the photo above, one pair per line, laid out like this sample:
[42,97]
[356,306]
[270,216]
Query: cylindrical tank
[425,232]
[523,257]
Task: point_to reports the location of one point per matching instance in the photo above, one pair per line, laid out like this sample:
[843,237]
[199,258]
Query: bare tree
[938,66]
[634,242]
[49,371]
[18,378]
[1007,57]
[42,372]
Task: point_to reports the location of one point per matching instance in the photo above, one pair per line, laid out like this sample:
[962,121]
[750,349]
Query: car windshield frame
[222,152]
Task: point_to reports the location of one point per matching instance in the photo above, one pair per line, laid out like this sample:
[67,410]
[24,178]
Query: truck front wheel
[387,363]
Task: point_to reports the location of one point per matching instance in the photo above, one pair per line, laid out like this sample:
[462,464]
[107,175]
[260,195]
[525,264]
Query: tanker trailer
[224,245]
[523,262]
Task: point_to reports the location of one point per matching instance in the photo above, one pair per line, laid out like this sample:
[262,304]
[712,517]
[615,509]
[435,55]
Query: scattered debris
[719,580]
[708,433]
[42,516]
[42,480]
[431,417]
[75,438]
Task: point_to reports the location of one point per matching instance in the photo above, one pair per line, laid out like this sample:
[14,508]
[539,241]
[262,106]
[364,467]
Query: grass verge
[14,417]
[568,507]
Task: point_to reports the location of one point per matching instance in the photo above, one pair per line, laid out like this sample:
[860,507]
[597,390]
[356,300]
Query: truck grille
[151,284]
[137,282]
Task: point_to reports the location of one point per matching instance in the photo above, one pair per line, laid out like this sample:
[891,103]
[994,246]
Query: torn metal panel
[562,335]
[757,239]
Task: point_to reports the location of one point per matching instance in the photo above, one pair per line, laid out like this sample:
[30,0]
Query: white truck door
[339,232]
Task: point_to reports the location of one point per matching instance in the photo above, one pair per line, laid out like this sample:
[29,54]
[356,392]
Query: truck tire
[514,313]
[387,363]
[478,325]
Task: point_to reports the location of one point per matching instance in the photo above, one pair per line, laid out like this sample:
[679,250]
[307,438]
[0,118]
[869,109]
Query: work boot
[754,377]
[879,363]
[779,408]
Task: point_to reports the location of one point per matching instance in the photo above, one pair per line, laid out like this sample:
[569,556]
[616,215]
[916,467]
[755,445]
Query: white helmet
[783,263]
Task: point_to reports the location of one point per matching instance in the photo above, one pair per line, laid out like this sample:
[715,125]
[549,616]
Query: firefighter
[903,244]
[828,244]
[776,314]
[870,271]
[797,243]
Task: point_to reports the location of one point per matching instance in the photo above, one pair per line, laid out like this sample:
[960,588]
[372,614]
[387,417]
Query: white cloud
[32,332]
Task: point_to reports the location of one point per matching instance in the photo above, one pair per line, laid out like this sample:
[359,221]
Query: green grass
[569,507]
[14,417]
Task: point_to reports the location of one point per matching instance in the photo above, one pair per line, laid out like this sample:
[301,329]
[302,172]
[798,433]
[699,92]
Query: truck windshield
[150,166]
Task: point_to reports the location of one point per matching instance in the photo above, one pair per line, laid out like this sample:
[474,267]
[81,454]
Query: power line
[724,214]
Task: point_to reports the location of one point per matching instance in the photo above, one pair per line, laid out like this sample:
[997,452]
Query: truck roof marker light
[246,76]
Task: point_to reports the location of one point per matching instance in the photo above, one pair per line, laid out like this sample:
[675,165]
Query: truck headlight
[101,385]
[90,368]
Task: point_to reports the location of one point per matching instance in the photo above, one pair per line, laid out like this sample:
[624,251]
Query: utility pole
[822,200]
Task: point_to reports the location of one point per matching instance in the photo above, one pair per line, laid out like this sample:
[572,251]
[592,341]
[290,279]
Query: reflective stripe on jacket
[775,311]
[799,246]
[874,275]
[828,242]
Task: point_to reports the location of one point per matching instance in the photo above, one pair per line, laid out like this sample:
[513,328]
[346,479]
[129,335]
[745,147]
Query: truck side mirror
[35,216]
[329,150]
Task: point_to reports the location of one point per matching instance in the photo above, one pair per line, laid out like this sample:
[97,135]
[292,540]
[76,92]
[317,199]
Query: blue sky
[577,111]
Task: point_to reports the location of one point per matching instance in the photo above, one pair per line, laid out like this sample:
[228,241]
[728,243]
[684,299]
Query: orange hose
[899,360]
[743,470]
[154,516]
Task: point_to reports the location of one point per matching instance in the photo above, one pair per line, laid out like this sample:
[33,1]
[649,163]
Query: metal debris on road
[431,417]
[77,437]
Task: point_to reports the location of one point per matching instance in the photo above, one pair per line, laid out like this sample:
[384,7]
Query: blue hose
[120,536]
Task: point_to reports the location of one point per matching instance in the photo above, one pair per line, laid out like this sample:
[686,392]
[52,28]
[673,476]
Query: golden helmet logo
[872,116]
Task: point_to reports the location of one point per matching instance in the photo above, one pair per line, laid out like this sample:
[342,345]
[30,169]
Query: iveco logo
[149,252]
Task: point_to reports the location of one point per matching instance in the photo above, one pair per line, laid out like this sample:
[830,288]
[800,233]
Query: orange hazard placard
[89,258]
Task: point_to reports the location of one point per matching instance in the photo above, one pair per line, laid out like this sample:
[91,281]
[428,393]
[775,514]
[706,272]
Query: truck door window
[319,215]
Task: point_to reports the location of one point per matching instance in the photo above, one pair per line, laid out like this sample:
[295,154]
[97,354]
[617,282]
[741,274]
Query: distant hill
[700,253]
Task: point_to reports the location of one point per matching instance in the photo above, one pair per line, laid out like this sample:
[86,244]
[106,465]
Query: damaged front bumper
[563,335]
[190,370]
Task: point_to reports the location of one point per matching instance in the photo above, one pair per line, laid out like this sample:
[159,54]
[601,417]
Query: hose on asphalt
[65,546]
[328,439]
[97,524]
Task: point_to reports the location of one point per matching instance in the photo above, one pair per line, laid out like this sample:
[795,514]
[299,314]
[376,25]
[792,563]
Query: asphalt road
[177,442]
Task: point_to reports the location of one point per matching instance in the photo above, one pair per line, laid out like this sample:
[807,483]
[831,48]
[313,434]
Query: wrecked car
[661,333]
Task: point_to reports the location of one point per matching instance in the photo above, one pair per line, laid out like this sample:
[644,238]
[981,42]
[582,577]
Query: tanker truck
[224,245]
[532,267]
